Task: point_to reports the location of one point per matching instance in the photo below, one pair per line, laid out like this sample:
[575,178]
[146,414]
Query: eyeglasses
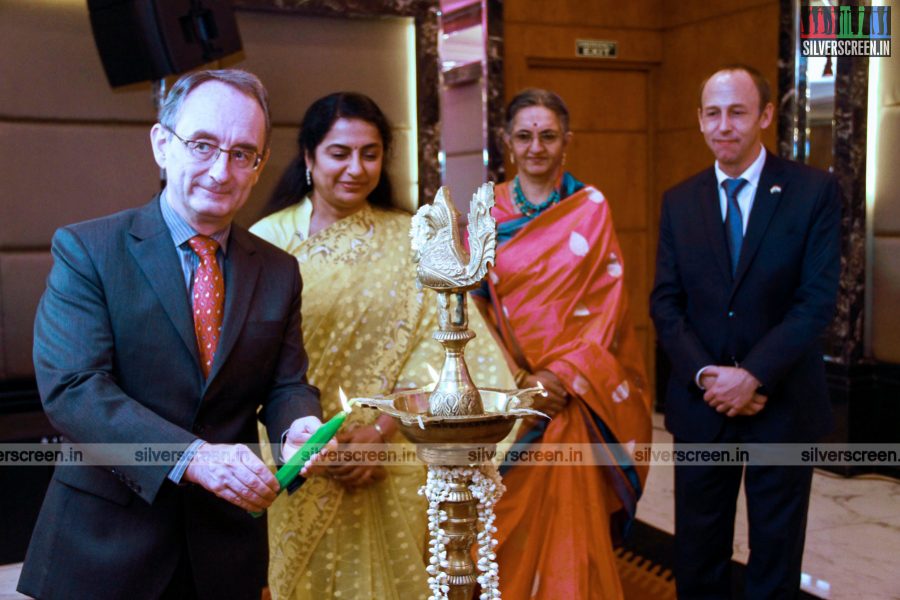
[200,151]
[525,138]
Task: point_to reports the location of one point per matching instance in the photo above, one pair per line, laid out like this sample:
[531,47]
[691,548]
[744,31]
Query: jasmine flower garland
[487,488]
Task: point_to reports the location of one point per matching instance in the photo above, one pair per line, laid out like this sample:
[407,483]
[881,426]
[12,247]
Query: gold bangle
[379,430]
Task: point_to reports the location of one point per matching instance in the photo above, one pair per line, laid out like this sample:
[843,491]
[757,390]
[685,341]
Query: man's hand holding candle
[232,472]
[299,461]
[301,430]
[235,474]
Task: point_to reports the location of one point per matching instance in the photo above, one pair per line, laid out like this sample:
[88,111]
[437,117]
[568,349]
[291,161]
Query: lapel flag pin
[775,189]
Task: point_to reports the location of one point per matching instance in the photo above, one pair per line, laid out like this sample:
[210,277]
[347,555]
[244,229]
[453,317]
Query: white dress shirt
[748,192]
[745,201]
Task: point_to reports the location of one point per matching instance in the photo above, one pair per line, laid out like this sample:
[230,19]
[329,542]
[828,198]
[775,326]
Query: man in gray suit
[168,324]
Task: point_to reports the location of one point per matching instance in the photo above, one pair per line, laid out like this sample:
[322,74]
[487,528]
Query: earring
[308,177]
[512,158]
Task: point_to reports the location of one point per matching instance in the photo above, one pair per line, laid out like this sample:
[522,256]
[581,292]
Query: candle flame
[346,405]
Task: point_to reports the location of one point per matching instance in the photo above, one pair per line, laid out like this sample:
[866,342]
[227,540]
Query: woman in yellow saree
[358,531]
[557,297]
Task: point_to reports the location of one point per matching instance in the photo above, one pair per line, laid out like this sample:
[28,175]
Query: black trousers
[705,506]
[181,586]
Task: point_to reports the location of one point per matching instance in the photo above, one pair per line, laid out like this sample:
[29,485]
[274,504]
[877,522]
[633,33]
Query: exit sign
[597,48]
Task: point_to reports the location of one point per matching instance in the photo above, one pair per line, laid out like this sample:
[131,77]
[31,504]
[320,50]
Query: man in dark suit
[168,326]
[746,283]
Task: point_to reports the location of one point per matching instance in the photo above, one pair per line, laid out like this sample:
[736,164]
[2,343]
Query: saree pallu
[368,329]
[560,301]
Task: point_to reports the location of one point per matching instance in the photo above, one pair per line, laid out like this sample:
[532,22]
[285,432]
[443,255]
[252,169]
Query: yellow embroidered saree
[368,329]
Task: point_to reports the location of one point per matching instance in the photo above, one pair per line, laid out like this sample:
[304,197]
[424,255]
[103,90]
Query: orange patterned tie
[209,298]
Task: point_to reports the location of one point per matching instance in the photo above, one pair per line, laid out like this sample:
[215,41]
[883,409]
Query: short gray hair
[243,81]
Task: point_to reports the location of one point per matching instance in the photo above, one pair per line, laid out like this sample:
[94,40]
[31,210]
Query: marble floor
[852,537]
[9,575]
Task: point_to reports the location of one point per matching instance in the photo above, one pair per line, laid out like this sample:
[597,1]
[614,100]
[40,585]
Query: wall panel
[461,115]
[680,12]
[601,159]
[608,13]
[886,218]
[463,177]
[596,106]
[544,41]
[50,68]
[679,154]
[62,173]
[300,59]
[885,292]
[634,246]
[22,281]
[693,51]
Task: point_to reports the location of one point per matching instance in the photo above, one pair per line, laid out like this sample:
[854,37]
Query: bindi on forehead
[536,123]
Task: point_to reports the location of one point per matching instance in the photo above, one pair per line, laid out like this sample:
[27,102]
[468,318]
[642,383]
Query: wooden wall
[697,37]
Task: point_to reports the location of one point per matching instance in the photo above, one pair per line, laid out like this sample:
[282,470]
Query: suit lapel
[152,248]
[768,193]
[242,269]
[713,226]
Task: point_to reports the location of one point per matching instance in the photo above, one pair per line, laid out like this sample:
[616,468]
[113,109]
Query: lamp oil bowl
[454,424]
[447,440]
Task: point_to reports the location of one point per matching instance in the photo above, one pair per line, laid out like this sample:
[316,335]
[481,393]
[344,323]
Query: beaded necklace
[526,207]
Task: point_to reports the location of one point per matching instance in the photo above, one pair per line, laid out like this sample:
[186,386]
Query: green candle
[322,436]
[289,471]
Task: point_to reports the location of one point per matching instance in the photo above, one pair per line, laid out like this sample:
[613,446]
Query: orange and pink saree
[559,301]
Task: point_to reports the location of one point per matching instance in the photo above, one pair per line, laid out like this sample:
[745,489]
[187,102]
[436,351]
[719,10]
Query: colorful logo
[845,30]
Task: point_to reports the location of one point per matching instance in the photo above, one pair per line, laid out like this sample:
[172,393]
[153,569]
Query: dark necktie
[734,222]
[208,300]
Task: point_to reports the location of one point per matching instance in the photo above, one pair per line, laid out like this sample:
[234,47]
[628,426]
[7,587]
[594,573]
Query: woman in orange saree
[557,298]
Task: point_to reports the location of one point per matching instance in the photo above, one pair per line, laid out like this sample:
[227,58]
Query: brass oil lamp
[454,424]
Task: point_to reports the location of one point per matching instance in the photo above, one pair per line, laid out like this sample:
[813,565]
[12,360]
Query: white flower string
[486,487]
[437,490]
